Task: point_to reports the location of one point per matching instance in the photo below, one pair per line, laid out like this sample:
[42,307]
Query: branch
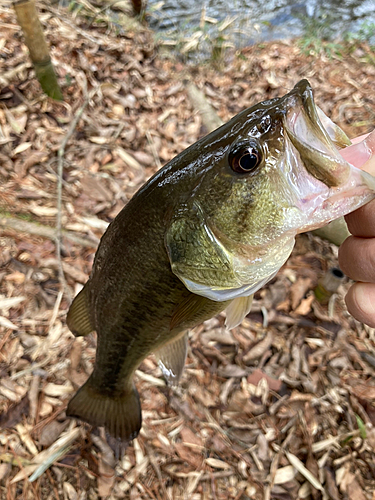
[27,17]
[60,168]
[210,118]
[8,222]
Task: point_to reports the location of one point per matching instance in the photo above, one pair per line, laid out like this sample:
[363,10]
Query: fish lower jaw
[336,206]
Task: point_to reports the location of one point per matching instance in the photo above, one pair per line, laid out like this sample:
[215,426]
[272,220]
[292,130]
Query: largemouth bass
[203,235]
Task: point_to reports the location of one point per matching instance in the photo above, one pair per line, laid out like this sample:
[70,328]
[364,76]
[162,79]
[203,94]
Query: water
[258,20]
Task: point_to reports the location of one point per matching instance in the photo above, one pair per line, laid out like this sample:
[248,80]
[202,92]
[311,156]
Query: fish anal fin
[171,359]
[78,318]
[237,310]
[119,414]
[187,310]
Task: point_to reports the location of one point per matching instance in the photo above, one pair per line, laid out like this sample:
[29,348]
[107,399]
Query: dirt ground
[281,407]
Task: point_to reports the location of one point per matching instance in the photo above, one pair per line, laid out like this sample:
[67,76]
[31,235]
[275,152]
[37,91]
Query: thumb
[361,153]
[360,301]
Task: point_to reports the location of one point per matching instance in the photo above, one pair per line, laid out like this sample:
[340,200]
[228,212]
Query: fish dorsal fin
[78,318]
[171,359]
[237,310]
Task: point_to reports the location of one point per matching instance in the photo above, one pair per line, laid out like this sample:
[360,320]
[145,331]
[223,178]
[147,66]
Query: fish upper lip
[317,150]
[303,113]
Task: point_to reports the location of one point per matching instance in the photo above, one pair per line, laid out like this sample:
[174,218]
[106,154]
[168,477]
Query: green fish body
[203,235]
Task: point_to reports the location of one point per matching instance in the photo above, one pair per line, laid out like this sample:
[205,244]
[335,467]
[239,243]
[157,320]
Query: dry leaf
[364,392]
[257,375]
[355,491]
[330,484]
[7,324]
[21,148]
[189,455]
[51,431]
[285,474]
[43,211]
[299,289]
[259,349]
[7,303]
[94,188]
[188,436]
[4,471]
[305,306]
[69,492]
[15,413]
[217,464]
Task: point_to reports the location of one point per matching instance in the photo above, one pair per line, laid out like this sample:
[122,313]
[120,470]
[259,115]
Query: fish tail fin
[120,414]
[78,318]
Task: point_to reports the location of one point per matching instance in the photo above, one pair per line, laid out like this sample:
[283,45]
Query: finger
[361,153]
[357,154]
[360,138]
[360,301]
[357,258]
[369,165]
[362,221]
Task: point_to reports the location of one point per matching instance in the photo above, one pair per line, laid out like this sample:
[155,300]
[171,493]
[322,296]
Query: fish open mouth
[319,144]
[316,137]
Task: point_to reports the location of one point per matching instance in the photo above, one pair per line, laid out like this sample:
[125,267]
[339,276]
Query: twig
[210,118]
[157,470]
[60,168]
[8,222]
[153,149]
[56,309]
[213,489]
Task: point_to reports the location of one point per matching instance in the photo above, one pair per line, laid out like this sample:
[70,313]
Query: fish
[202,235]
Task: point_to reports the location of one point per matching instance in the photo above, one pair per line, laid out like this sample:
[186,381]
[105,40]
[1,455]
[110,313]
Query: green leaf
[361,427]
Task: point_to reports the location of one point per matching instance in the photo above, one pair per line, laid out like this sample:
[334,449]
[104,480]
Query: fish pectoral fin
[120,414]
[237,310]
[187,310]
[171,359]
[78,319]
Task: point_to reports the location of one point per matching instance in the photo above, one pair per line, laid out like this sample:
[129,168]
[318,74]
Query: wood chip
[297,464]
[217,464]
[259,349]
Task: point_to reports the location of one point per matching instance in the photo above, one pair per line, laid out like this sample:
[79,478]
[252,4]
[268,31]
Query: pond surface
[258,20]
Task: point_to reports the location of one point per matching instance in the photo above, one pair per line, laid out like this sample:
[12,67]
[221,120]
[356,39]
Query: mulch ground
[281,407]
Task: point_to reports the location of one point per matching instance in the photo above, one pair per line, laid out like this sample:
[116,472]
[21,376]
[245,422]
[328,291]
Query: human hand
[357,253]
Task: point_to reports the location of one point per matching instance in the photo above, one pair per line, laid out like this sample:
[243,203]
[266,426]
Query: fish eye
[244,158]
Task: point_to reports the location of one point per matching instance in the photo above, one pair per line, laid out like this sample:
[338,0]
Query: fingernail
[369,165]
[357,154]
